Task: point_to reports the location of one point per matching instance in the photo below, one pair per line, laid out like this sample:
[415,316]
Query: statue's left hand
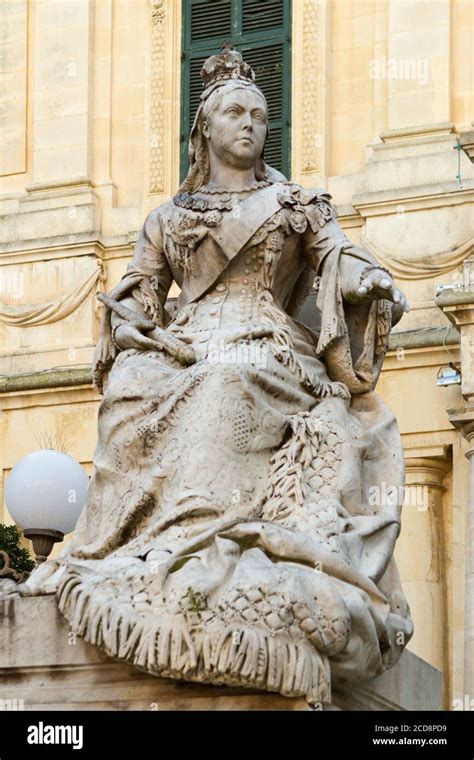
[378,284]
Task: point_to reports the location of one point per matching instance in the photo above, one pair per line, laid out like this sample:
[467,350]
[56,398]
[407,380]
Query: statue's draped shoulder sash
[227,239]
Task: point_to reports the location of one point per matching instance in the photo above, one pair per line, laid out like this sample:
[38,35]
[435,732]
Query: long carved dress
[236,530]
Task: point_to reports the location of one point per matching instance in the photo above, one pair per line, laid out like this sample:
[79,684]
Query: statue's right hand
[130,335]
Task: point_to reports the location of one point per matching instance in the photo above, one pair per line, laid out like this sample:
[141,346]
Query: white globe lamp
[45,493]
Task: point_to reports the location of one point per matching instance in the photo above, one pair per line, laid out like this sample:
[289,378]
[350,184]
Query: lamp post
[45,493]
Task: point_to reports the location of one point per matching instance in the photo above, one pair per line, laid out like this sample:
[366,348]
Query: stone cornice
[84,244]
[78,376]
[51,378]
[463,420]
[421,197]
[424,337]
[458,305]
[410,133]
[466,141]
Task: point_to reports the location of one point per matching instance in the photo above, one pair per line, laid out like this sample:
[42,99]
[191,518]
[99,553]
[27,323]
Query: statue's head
[231,121]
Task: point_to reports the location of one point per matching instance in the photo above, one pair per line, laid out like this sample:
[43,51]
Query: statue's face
[237,129]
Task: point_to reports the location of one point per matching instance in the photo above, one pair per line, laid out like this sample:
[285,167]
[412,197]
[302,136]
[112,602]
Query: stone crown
[228,64]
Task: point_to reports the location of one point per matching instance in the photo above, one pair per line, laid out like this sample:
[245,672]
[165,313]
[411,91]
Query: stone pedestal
[43,666]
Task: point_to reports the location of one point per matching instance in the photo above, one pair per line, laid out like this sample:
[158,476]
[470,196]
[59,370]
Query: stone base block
[43,664]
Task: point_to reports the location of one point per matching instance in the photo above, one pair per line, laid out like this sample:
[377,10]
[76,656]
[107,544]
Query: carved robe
[237,528]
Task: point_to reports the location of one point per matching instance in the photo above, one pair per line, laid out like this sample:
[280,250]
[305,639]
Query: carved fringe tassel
[287,467]
[313,385]
[164,646]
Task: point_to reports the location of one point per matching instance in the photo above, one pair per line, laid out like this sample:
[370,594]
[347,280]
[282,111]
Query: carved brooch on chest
[187,225]
[307,206]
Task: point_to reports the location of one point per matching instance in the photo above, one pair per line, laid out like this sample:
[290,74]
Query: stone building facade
[379,109]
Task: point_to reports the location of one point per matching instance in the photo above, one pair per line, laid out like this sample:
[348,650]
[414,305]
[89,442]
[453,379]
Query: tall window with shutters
[260,29]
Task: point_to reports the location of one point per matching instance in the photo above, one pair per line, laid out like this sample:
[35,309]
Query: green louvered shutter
[260,29]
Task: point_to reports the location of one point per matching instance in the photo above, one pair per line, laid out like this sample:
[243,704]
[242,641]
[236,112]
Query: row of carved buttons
[246,297]
[220,288]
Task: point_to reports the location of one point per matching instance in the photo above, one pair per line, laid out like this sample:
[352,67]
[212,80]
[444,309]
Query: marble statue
[245,502]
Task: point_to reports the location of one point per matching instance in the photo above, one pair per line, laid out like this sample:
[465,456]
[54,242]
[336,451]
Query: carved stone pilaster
[463,420]
[309,86]
[421,554]
[157,89]
[459,308]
